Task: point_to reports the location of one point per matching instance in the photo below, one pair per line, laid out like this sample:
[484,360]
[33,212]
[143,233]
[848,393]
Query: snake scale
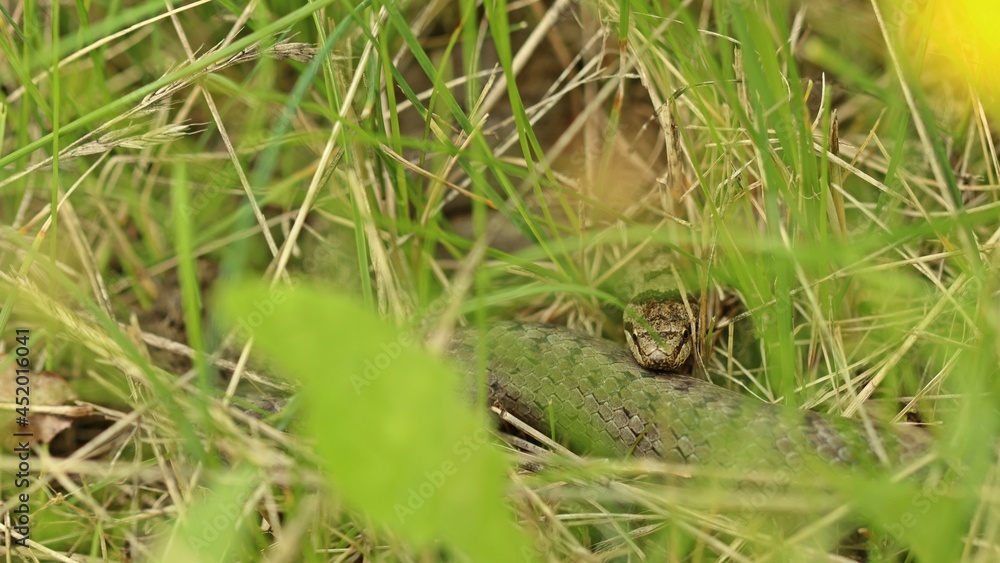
[593,396]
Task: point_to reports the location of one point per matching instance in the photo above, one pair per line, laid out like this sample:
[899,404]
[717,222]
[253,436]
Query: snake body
[591,394]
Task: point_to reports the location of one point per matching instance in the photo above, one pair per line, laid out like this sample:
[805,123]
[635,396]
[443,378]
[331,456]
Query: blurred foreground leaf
[215,527]
[396,437]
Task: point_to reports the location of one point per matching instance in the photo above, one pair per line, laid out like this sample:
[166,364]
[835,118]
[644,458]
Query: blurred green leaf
[399,442]
[929,520]
[215,525]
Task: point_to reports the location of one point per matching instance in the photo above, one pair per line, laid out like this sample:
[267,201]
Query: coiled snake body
[591,393]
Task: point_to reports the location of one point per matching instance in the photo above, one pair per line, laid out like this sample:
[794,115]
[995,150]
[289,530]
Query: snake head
[658,330]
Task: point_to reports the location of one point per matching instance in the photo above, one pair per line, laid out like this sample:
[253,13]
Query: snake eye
[630,334]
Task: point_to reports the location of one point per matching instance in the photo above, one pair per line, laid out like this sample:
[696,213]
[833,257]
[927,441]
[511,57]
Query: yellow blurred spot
[959,42]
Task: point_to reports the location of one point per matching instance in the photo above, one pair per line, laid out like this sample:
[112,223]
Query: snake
[591,394]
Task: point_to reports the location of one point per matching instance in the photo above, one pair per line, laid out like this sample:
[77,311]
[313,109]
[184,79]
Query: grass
[383,172]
